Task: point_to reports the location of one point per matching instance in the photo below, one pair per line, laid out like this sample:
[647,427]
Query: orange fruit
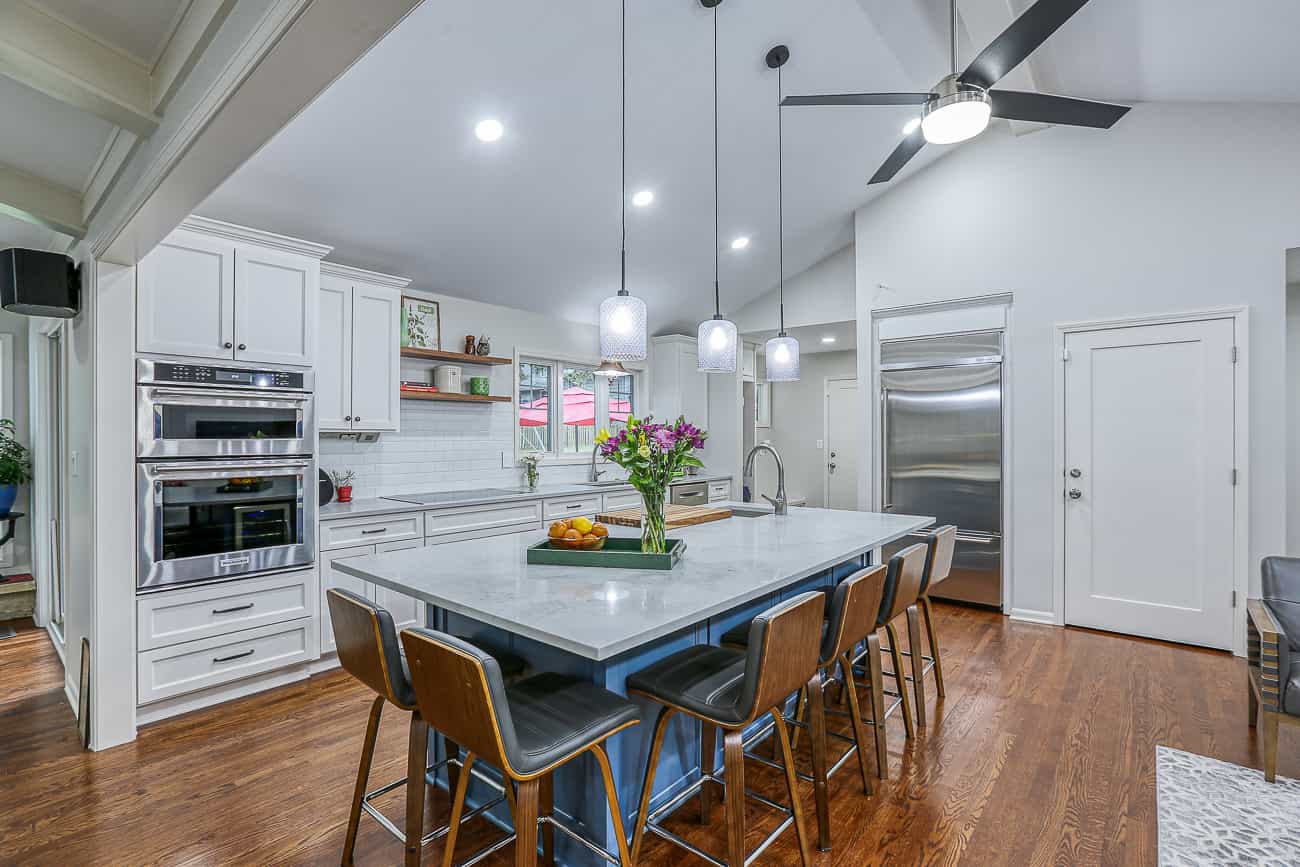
[600,531]
[558,529]
[572,535]
[589,539]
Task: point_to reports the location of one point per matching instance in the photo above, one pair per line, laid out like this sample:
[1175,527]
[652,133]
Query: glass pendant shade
[622,329]
[782,359]
[716,346]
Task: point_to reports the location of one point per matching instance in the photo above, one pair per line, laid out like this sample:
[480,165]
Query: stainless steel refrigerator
[941,450]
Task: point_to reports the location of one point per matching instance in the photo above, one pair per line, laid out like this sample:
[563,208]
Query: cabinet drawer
[164,619]
[719,491]
[346,532]
[195,665]
[443,522]
[622,500]
[571,507]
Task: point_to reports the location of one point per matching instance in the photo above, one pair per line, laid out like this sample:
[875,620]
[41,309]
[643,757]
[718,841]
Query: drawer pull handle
[248,652]
[575,506]
[372,532]
[232,610]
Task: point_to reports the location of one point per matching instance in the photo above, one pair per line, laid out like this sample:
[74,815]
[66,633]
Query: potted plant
[15,466]
[343,483]
[530,463]
[654,455]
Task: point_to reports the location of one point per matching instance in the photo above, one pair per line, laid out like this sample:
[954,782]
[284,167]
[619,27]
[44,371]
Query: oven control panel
[238,377]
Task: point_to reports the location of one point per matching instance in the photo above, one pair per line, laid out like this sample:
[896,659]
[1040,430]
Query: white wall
[824,292]
[798,410]
[448,446]
[1179,207]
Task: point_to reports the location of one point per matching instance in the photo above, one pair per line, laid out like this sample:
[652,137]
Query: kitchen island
[604,624]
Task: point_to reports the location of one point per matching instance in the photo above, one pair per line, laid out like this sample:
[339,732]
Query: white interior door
[1149,481]
[843,442]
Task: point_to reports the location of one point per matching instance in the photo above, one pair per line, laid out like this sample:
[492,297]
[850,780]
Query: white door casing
[843,443]
[1149,519]
[185,297]
[275,306]
[375,362]
[334,356]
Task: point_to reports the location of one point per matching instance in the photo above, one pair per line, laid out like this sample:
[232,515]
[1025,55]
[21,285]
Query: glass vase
[652,522]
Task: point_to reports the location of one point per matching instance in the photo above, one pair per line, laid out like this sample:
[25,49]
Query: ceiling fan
[961,104]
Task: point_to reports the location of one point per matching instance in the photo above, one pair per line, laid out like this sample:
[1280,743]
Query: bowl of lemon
[578,534]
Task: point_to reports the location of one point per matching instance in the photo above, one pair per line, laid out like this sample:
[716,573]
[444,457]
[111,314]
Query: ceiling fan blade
[858,99]
[907,148]
[1018,41]
[1044,108]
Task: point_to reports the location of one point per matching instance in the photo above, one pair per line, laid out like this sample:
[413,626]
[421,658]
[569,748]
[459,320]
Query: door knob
[1075,493]
[833,454]
[1075,472]
[831,466]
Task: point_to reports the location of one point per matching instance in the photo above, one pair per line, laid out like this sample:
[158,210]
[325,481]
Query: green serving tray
[618,553]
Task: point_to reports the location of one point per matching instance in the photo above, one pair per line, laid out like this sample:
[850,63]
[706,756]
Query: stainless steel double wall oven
[225,474]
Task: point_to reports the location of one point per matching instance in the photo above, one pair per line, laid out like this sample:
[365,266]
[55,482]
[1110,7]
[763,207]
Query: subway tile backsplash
[444,446]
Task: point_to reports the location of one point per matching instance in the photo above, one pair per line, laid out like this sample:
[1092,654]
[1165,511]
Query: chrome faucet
[595,473]
[779,505]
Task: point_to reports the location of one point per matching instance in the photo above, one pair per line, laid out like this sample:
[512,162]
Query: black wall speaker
[39,283]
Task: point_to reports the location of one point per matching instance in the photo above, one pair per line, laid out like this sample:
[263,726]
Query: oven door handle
[213,469]
[209,395]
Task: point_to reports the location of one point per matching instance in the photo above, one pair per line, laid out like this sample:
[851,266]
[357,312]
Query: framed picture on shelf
[421,323]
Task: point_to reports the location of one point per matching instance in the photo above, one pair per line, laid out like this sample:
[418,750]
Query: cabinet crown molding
[232,232]
[360,275]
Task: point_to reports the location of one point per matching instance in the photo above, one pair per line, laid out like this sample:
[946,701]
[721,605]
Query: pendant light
[781,353]
[622,316]
[716,340]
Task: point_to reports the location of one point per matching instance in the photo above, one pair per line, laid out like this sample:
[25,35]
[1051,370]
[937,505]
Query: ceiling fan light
[781,356]
[956,117]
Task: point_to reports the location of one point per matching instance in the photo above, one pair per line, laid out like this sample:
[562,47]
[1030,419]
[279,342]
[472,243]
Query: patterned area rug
[1213,812]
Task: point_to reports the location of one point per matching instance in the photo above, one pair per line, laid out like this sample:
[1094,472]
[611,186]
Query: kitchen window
[562,405]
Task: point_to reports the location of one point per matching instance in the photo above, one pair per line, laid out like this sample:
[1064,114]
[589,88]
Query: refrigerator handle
[885,502]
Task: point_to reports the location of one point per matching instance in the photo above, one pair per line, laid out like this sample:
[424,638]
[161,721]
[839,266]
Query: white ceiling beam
[196,28]
[38,201]
[45,54]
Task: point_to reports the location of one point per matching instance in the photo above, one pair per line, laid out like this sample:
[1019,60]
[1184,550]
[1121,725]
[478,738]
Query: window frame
[557,363]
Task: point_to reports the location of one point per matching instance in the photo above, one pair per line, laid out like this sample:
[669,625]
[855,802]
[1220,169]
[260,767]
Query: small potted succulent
[530,463]
[343,483]
[15,466]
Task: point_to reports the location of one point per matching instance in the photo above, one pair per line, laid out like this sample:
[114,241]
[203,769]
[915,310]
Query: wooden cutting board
[674,516]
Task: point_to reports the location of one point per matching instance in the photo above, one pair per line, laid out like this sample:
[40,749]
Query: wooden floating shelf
[461,357]
[452,396]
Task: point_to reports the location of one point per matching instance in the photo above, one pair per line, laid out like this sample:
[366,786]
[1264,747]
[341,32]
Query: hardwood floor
[1043,752]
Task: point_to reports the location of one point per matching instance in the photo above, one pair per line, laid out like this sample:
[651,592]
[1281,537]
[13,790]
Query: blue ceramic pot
[8,493]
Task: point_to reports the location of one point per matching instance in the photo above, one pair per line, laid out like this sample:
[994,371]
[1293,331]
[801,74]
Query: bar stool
[368,650]
[527,729]
[940,545]
[730,689]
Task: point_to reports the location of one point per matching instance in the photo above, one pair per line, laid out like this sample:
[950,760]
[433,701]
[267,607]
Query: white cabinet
[407,611]
[186,303]
[358,377]
[214,290]
[330,577]
[275,306]
[719,490]
[677,387]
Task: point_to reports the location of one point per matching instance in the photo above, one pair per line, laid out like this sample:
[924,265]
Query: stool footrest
[652,821]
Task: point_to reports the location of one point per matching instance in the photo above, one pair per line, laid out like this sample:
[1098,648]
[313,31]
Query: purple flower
[664,438]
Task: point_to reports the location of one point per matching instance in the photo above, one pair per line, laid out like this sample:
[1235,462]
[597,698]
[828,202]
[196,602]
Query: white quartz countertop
[384,506]
[600,613]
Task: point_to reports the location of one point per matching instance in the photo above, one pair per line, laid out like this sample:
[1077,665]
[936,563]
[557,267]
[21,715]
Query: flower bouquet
[654,455]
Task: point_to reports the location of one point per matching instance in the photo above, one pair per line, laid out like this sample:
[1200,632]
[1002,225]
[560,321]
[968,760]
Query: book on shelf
[410,385]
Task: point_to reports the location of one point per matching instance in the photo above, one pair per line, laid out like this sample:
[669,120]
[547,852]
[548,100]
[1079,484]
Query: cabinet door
[407,611]
[275,306]
[185,301]
[748,362]
[694,388]
[375,371]
[334,356]
[331,577]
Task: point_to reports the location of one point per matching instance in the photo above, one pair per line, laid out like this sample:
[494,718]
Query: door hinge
[1234,598]
[1234,355]
[1234,477]
[1065,355]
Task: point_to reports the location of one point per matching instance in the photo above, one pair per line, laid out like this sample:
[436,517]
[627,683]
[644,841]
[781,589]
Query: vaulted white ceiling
[385,166]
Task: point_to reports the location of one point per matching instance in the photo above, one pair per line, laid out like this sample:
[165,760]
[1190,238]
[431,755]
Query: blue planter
[8,493]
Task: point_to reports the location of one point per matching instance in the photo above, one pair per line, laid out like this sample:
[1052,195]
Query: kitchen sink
[608,483]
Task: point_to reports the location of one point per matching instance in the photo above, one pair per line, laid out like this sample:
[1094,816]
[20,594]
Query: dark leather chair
[1273,653]
[939,547]
[726,688]
[368,650]
[526,729]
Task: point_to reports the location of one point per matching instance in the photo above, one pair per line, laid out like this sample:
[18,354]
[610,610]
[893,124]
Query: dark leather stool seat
[702,679]
[556,717]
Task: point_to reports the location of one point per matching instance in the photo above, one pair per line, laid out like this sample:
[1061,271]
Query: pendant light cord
[717,296]
[780,195]
[622,252]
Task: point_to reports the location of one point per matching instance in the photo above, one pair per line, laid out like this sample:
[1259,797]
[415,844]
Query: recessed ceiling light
[740,243]
[829,338]
[489,129]
[911,126]
[642,198]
